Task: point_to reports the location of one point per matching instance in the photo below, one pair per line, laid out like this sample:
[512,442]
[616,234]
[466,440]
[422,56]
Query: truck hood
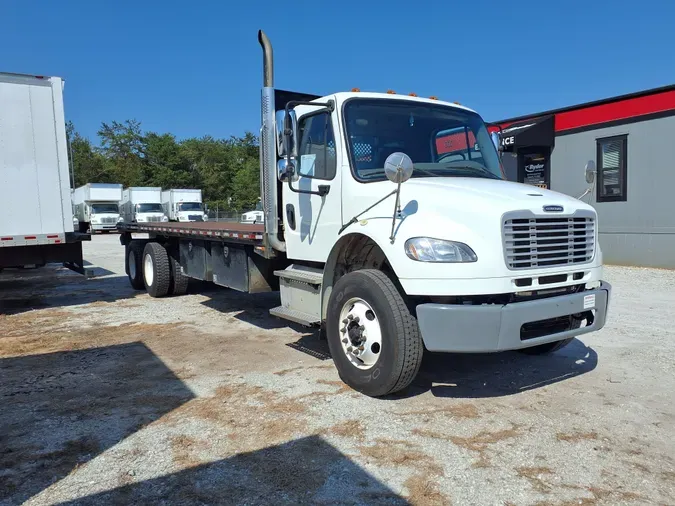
[487,195]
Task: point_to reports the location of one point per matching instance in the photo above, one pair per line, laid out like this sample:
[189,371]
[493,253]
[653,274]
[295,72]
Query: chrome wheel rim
[148,270]
[360,333]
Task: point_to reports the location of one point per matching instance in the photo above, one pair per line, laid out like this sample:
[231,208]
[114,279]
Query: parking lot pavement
[110,396]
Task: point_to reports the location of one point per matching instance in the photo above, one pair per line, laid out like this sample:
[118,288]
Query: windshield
[104,209]
[190,206]
[149,208]
[442,141]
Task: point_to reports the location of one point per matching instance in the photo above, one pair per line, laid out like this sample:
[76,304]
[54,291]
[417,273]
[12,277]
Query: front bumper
[491,328]
[107,226]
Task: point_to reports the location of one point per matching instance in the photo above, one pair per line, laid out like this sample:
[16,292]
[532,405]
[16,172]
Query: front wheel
[372,336]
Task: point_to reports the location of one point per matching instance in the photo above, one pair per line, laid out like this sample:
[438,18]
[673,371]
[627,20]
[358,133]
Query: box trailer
[183,204]
[142,204]
[97,206]
[37,224]
[391,252]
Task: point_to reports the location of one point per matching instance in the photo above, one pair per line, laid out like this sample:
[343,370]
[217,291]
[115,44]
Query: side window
[612,169]
[317,147]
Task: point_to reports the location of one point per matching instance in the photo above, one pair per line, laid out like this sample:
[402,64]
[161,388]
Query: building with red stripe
[631,141]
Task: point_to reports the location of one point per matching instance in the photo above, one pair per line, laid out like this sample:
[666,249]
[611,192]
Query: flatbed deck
[199,229]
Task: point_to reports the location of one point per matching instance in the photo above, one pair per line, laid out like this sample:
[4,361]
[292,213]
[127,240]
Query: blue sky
[194,68]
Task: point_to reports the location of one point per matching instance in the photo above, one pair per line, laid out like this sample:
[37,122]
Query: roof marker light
[433,97]
[355,90]
[391,92]
[413,94]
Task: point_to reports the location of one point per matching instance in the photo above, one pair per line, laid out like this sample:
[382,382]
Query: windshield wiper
[479,168]
[424,171]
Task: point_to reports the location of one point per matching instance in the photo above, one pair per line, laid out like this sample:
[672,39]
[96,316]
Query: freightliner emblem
[553,209]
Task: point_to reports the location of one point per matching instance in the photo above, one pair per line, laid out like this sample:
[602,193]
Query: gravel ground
[111,397]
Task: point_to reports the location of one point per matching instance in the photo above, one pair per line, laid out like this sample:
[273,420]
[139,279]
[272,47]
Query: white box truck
[142,204]
[183,204]
[97,206]
[388,244]
[36,224]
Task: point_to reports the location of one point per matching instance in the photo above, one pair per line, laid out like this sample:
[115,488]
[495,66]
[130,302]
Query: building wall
[640,231]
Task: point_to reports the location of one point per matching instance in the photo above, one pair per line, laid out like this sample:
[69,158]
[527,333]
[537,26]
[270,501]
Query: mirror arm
[356,218]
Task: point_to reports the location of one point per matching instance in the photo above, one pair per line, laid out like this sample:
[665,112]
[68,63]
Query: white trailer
[96,206]
[36,224]
[142,204]
[183,204]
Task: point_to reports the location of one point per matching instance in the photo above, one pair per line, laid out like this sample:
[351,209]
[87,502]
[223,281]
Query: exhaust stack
[268,158]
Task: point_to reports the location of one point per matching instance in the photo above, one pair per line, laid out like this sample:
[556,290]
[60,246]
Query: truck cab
[103,216]
[144,212]
[189,211]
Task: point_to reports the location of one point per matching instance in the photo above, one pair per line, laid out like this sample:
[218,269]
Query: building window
[612,169]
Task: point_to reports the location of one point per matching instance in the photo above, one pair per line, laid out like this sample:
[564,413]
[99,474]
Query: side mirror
[398,167]
[285,170]
[590,172]
[286,129]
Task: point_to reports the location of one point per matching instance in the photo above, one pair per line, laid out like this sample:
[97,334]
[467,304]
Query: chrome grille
[154,218]
[108,220]
[534,242]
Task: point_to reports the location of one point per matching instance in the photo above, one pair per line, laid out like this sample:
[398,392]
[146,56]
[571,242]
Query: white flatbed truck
[451,257]
[36,212]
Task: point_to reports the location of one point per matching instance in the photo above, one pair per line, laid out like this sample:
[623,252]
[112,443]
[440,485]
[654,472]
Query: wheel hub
[360,333]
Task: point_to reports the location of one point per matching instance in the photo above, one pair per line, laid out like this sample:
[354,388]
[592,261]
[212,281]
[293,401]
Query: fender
[346,242]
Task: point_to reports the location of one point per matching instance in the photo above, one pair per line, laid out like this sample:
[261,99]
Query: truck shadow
[303,471]
[56,286]
[62,409]
[499,374]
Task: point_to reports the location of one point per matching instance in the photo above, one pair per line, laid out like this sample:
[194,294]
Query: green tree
[166,165]
[122,144]
[88,165]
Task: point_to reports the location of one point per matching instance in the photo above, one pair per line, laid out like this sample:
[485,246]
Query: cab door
[312,221]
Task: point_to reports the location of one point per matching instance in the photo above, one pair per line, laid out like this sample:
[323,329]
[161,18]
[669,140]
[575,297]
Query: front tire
[383,350]
[156,270]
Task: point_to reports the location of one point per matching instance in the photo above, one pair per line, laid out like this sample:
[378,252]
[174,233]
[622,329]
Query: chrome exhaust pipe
[268,158]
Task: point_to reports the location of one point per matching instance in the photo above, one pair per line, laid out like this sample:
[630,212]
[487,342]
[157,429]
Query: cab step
[300,290]
[295,316]
[302,274]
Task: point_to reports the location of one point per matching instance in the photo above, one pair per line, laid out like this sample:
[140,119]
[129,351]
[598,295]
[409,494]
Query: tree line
[226,170]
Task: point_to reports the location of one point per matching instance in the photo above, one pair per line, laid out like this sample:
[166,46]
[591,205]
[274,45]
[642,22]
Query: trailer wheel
[179,281]
[372,336]
[134,265]
[156,270]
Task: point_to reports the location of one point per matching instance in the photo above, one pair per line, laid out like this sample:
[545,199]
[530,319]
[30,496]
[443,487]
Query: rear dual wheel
[149,266]
[373,337]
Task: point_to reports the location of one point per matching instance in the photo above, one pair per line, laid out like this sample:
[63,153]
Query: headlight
[120,219]
[426,249]
[164,218]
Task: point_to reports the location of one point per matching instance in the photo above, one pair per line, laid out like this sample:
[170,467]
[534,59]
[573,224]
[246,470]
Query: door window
[316,155]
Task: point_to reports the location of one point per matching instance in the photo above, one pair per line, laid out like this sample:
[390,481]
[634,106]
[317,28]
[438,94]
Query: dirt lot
[110,397]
